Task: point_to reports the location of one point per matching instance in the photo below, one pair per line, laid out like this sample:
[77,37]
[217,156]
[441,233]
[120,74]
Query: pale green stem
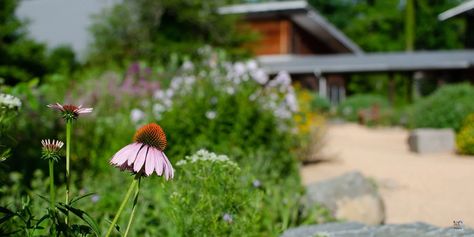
[122,206]
[51,184]
[132,215]
[51,192]
[68,157]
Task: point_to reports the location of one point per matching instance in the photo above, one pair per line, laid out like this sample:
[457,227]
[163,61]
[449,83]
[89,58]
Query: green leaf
[82,215]
[8,214]
[81,197]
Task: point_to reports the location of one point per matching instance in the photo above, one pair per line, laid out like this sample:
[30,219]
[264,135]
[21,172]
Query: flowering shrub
[221,204]
[465,137]
[309,124]
[230,108]
[9,106]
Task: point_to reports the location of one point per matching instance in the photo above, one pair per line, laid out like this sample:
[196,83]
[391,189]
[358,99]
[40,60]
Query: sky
[59,22]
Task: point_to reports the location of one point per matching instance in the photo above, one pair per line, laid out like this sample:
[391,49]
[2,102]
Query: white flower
[204,155]
[159,95]
[253,96]
[282,80]
[282,112]
[252,65]
[9,101]
[137,115]
[260,76]
[181,162]
[187,66]
[227,218]
[158,109]
[169,93]
[230,90]
[291,101]
[211,115]
[239,69]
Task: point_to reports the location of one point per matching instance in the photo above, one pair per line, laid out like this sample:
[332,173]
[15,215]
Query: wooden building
[297,39]
[295,28]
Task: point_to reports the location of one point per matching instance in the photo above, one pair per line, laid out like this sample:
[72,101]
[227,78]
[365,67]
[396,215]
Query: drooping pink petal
[123,155]
[166,167]
[159,163]
[84,110]
[170,167]
[141,157]
[56,106]
[150,160]
[120,155]
[132,157]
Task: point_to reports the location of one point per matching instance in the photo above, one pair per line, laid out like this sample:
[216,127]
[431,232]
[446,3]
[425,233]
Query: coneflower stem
[68,157]
[135,200]
[122,206]
[51,184]
[51,192]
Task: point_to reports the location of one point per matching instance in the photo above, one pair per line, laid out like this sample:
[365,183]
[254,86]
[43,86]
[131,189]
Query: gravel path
[435,188]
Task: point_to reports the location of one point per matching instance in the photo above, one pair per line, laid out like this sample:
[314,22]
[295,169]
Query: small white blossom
[9,101]
[227,218]
[211,115]
[230,90]
[282,112]
[239,69]
[159,95]
[158,109]
[252,65]
[260,76]
[282,81]
[137,115]
[187,66]
[204,155]
[291,101]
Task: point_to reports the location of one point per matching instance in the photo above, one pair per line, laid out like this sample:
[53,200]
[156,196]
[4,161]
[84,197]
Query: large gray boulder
[349,197]
[427,140]
[351,229]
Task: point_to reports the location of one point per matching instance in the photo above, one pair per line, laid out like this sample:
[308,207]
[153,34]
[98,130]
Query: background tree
[377,25]
[21,57]
[154,29]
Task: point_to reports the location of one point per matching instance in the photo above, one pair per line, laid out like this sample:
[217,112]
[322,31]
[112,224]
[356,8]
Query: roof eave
[292,7]
[458,10]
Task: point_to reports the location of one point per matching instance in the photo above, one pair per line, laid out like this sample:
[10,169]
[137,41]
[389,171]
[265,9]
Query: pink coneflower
[70,112]
[146,154]
[51,149]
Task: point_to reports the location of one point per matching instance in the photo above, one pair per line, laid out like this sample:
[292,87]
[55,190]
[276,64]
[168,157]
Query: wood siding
[274,36]
[282,36]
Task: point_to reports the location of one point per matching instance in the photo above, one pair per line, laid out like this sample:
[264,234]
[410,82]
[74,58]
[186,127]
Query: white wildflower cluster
[275,94]
[9,102]
[283,101]
[205,155]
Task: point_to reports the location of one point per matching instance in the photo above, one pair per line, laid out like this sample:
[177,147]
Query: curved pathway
[434,188]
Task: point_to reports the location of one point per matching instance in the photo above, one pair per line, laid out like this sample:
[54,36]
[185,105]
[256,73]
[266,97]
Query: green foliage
[445,108]
[350,108]
[210,104]
[465,137]
[320,104]
[152,30]
[377,25]
[222,204]
[22,58]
